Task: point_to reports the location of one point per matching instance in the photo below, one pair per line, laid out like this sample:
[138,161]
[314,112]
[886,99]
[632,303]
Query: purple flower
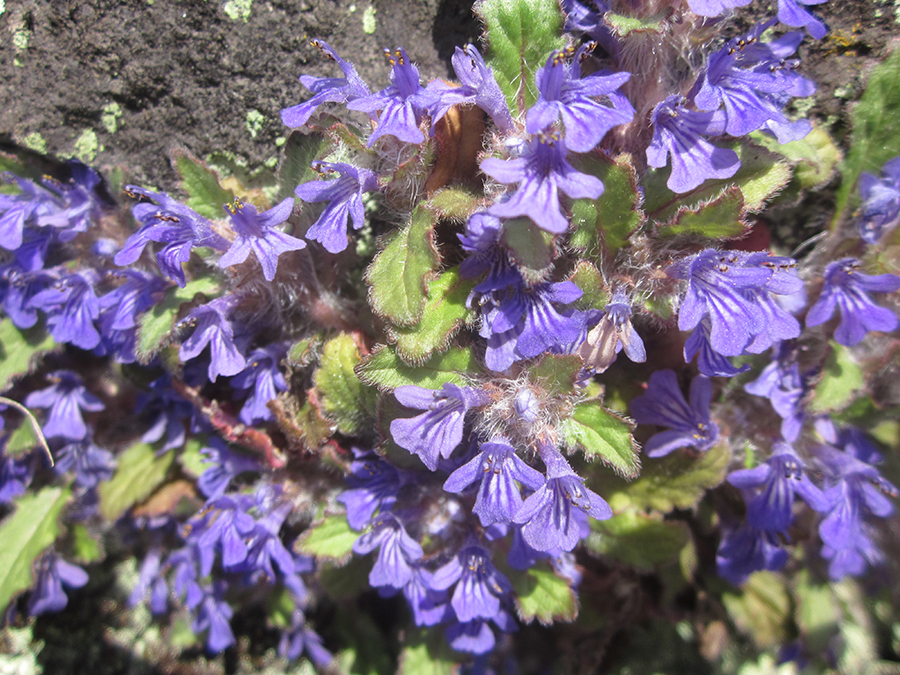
[478,86]
[715,7]
[168,411]
[226,465]
[17,287]
[325,89]
[222,525]
[880,198]
[847,289]
[436,432]
[72,308]
[548,516]
[429,606]
[344,195]
[792,13]
[170,223]
[745,75]
[855,488]
[402,104]
[480,588]
[256,232]
[15,476]
[264,380]
[562,92]
[780,477]
[212,327]
[521,322]
[709,361]
[476,637]
[151,579]
[747,550]
[613,333]
[677,133]
[90,463]
[782,383]
[66,398]
[733,290]
[663,404]
[374,484]
[541,173]
[397,550]
[53,574]
[213,615]
[497,467]
[298,638]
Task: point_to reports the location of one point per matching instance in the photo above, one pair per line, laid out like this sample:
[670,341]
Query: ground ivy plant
[505,374]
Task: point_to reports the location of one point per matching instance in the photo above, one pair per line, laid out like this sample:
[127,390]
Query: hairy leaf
[19,350]
[814,158]
[384,369]
[595,294]
[875,137]
[721,218]
[201,184]
[602,434]
[520,34]
[556,373]
[455,203]
[26,533]
[606,224]
[542,595]
[679,480]
[841,381]
[762,609]
[343,399]
[427,651]
[530,247]
[300,150]
[445,313]
[138,473]
[638,539]
[158,321]
[330,538]
[398,276]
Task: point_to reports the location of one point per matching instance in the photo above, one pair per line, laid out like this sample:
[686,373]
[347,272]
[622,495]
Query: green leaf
[306,351]
[602,434]
[623,26]
[138,473]
[201,184]
[397,277]
[762,609]
[384,369]
[556,374]
[841,381]
[158,322]
[720,218]
[85,546]
[190,459]
[817,614]
[607,223]
[638,539]
[875,137]
[427,651]
[455,203]
[32,527]
[343,399]
[22,440]
[679,480]
[595,294]
[445,313]
[813,158]
[520,34]
[300,150]
[542,595]
[19,350]
[330,538]
[530,247]
[760,177]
